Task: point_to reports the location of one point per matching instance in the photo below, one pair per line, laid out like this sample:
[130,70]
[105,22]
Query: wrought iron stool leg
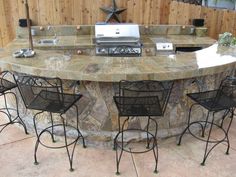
[227,137]
[223,118]
[114,142]
[84,145]
[148,140]
[18,114]
[156,148]
[52,133]
[206,153]
[189,116]
[118,159]
[70,156]
[77,125]
[35,152]
[204,128]
[5,110]
[24,126]
[155,152]
[9,114]
[37,136]
[228,145]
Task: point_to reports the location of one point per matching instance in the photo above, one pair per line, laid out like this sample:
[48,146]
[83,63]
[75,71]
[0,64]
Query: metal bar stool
[143,99]
[46,95]
[5,90]
[222,99]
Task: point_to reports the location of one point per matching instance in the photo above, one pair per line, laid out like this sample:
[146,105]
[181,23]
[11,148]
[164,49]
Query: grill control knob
[41,28]
[102,50]
[148,50]
[79,52]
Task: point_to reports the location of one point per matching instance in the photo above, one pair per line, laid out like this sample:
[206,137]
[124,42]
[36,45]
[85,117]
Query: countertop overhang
[50,63]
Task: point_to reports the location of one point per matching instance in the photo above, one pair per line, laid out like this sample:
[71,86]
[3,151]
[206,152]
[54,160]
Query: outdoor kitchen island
[99,77]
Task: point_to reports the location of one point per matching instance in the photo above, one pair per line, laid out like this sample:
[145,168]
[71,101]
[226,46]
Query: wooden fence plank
[47,12]
[146,11]
[228,21]
[1,44]
[21,8]
[34,11]
[8,21]
[136,14]
[141,12]
[87,12]
[94,12]
[3,23]
[130,11]
[57,11]
[206,14]
[63,12]
[123,4]
[165,11]
[173,13]
[77,12]
[14,15]
[218,26]
[194,12]
[155,15]
[212,23]
[182,17]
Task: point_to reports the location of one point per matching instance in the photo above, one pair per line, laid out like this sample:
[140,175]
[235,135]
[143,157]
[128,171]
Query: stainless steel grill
[118,40]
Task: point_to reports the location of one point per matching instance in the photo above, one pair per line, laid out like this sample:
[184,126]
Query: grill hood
[122,30]
[118,39]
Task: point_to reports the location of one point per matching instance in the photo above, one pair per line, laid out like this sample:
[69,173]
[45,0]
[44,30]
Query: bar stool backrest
[3,76]
[227,89]
[147,88]
[6,80]
[32,86]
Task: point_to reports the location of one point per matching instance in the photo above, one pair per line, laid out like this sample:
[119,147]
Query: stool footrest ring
[205,140]
[119,143]
[47,130]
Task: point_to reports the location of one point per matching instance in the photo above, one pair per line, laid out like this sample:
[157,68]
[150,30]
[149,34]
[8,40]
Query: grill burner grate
[119,50]
[124,51]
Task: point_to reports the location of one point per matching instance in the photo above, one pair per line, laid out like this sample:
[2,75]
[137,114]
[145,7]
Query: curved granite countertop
[211,60]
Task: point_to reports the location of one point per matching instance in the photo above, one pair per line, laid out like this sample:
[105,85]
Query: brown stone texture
[98,116]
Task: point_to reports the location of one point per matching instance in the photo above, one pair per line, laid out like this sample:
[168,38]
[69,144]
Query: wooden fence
[73,12]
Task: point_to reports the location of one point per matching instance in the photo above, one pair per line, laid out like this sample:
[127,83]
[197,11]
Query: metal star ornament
[113,12]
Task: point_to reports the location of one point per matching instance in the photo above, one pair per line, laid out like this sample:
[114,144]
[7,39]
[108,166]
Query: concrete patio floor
[16,159]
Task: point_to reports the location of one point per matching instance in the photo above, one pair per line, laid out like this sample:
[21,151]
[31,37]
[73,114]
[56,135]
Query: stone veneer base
[98,114]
